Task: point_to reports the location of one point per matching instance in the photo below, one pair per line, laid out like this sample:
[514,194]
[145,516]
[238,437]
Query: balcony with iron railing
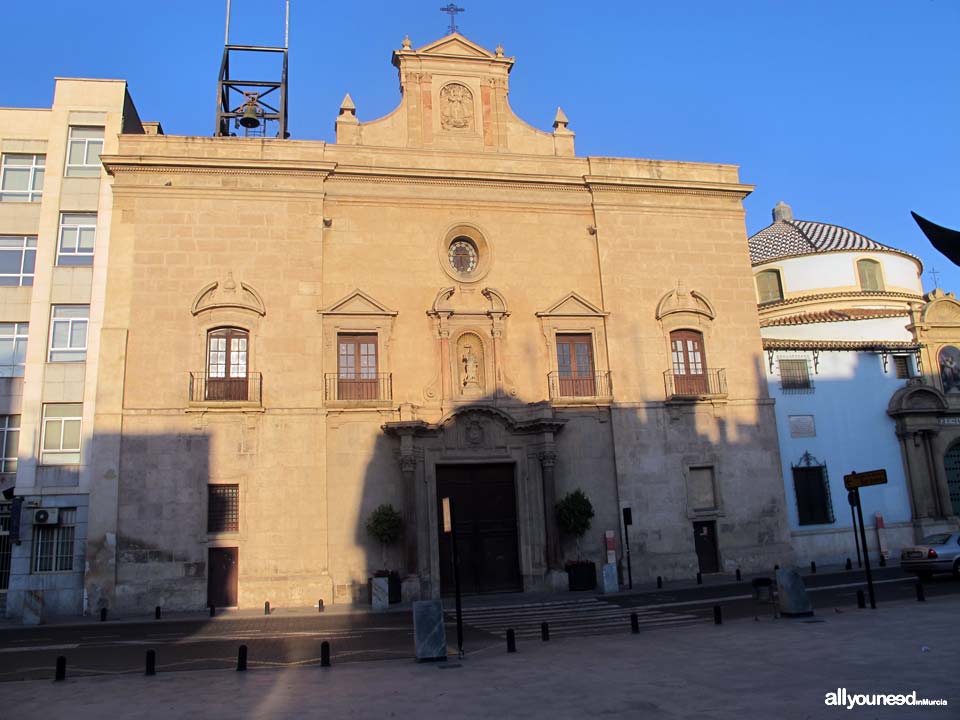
[207,389]
[358,391]
[709,385]
[566,388]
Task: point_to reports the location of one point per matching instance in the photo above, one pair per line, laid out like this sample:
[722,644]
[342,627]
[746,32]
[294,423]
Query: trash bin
[762,589]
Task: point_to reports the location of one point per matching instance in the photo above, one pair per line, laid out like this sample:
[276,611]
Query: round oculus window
[463,255]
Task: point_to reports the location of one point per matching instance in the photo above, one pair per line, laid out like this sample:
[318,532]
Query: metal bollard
[266,608]
[151,663]
[739,577]
[699,579]
[242,658]
[717,615]
[61,671]
[324,654]
[659,582]
[861,600]
[103,614]
[921,596]
[883,561]
[634,624]
[813,567]
[156,612]
[511,641]
[320,605]
[849,565]
[545,631]
[213,611]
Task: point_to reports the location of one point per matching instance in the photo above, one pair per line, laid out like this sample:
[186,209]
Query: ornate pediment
[455,44]
[228,295]
[941,309]
[681,300]
[358,303]
[572,305]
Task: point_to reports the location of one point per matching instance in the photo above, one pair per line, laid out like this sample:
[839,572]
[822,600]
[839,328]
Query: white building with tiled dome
[834,314]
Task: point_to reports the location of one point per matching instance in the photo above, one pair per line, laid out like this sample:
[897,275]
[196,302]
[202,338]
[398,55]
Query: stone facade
[315,253]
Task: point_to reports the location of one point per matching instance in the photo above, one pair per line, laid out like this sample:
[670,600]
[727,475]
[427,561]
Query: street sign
[858,480]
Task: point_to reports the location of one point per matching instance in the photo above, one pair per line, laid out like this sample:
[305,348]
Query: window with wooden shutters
[357,367]
[901,366]
[689,362]
[769,287]
[870,276]
[227,377]
[575,370]
[814,506]
[795,375]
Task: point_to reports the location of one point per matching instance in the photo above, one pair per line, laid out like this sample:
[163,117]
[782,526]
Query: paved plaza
[742,669]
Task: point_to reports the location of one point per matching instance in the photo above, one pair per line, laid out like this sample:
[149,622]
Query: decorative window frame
[357,313]
[807,460]
[699,463]
[575,315]
[856,273]
[779,271]
[484,252]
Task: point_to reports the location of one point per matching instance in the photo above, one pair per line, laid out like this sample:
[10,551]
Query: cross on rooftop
[452,11]
[934,274]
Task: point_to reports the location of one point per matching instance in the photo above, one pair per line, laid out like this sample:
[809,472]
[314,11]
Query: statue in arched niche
[470,364]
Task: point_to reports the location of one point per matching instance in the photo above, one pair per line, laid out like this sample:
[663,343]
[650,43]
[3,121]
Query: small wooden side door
[222,575]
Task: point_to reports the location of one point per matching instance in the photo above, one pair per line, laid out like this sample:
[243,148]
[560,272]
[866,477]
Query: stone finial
[230,285]
[560,121]
[499,50]
[406,42]
[782,211]
[347,107]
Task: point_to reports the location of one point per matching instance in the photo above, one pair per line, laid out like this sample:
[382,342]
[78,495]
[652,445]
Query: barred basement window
[795,375]
[814,506]
[223,508]
[53,544]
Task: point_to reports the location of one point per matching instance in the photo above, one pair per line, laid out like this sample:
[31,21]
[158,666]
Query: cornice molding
[814,297]
[841,345]
[120,164]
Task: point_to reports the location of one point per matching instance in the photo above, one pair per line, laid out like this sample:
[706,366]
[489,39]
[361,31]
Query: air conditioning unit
[46,516]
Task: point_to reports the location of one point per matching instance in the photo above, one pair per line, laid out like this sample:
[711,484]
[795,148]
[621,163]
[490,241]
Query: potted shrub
[386,526]
[574,513]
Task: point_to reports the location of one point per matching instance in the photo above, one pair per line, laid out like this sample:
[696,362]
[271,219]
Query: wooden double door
[484,504]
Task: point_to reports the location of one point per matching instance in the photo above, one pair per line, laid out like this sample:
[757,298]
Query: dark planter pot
[582,576]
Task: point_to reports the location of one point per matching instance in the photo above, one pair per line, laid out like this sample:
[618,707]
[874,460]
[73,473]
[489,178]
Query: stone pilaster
[548,459]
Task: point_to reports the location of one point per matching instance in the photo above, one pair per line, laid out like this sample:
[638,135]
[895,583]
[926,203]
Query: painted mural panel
[949,361]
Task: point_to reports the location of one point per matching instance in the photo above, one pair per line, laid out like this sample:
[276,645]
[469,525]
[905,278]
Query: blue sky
[847,110]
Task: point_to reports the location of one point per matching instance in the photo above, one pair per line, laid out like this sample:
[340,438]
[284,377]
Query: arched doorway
[951,464]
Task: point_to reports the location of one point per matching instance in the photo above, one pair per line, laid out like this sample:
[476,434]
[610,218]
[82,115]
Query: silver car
[938,553]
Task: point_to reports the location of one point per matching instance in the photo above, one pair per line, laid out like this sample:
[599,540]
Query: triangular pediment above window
[572,305]
[455,44]
[357,303]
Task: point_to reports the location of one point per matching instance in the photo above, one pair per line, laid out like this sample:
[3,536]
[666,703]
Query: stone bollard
[659,582]
[511,641]
[151,668]
[921,596]
[242,658]
[699,578]
[883,561]
[60,674]
[103,614]
[813,567]
[717,615]
[545,631]
[739,576]
[861,600]
[634,624]
[320,605]
[849,565]
[156,612]
[324,654]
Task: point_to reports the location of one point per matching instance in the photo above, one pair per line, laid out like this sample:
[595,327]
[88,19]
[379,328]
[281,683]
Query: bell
[250,119]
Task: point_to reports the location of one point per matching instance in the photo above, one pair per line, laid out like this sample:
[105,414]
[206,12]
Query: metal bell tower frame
[239,102]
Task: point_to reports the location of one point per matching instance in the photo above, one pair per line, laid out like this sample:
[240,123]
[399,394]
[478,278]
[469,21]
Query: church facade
[445,302]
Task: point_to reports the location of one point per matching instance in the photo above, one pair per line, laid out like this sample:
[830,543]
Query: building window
[13,349]
[78,233]
[902,366]
[227,350]
[814,506]
[769,287]
[357,367]
[223,508]
[53,544]
[870,275]
[689,362]
[68,333]
[795,375]
[21,177]
[575,369]
[18,255]
[83,152]
[60,441]
[9,442]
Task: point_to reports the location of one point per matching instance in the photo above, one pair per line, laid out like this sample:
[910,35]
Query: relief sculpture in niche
[456,107]
[470,363]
